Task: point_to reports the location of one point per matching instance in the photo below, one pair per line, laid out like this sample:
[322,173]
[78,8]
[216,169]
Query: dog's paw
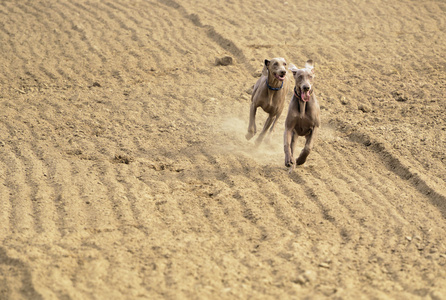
[249,135]
[259,140]
[289,162]
[300,160]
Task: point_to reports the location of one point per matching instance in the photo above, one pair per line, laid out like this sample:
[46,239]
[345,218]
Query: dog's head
[304,79]
[276,67]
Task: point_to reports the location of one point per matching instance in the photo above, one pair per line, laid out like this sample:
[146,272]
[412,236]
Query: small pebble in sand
[223,61]
[364,108]
[324,265]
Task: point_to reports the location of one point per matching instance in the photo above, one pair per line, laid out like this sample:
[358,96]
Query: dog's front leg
[310,138]
[287,140]
[252,121]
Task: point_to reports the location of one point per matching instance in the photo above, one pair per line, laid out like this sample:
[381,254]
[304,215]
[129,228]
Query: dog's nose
[283,73]
[305,88]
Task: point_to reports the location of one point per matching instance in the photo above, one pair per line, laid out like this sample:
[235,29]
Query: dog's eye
[284,64]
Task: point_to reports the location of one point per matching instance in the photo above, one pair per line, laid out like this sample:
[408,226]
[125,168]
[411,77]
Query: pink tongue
[305,96]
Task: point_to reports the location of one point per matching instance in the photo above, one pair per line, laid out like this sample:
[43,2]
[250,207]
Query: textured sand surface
[125,173]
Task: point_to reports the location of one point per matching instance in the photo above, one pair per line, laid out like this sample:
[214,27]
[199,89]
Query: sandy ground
[125,173]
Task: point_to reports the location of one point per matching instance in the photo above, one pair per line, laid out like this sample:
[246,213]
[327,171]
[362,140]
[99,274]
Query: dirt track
[125,174]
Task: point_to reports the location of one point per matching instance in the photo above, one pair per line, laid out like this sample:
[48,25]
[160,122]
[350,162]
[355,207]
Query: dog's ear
[293,69]
[309,65]
[265,67]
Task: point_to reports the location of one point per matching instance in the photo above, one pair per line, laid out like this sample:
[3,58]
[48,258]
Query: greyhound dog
[269,93]
[303,115]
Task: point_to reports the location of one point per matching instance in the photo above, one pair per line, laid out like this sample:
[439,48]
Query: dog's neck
[273,82]
[273,88]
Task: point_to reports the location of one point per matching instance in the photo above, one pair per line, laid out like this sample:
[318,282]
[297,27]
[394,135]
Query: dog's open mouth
[304,94]
[280,77]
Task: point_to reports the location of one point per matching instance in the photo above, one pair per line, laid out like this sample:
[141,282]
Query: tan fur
[271,101]
[303,118]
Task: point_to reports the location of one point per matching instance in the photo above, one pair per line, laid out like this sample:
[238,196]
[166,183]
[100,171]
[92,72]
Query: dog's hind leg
[252,122]
[267,125]
[271,129]
[274,123]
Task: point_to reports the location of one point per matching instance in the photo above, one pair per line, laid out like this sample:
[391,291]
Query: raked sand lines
[124,171]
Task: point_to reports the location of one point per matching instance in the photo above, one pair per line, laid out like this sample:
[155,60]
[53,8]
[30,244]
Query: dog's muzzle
[280,75]
[304,93]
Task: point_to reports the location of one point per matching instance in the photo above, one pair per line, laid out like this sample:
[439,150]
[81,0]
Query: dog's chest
[275,102]
[304,125]
[303,131]
[305,118]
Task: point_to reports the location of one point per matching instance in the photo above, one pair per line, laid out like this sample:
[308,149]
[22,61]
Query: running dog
[269,93]
[303,118]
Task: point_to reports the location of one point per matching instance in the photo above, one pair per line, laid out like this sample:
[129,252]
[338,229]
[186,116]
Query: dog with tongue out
[303,118]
